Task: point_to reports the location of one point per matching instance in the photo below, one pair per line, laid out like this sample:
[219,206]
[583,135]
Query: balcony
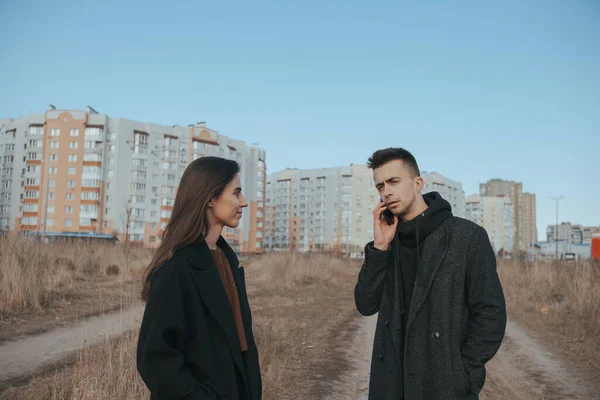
[92,157]
[88,215]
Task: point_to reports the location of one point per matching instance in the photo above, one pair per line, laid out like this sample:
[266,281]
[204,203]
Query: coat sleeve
[162,337]
[487,310]
[369,288]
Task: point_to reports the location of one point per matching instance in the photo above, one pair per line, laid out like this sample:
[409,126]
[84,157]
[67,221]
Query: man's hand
[384,233]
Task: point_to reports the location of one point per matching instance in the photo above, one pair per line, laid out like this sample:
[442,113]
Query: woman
[196,339]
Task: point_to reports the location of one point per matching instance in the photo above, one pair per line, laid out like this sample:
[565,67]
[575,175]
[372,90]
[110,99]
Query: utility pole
[557,199]
[46,172]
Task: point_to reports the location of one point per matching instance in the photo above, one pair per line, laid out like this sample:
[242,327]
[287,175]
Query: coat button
[435,335]
[380,357]
[387,323]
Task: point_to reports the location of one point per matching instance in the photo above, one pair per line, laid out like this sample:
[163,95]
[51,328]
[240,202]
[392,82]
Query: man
[432,278]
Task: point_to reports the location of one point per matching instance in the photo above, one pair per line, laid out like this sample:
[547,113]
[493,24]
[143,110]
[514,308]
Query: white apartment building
[327,209]
[495,215]
[67,171]
[449,189]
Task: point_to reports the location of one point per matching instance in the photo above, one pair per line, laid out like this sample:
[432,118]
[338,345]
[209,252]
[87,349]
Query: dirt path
[354,383]
[522,369]
[27,356]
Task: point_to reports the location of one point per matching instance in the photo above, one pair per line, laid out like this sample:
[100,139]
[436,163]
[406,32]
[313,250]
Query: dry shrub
[112,270]
[32,274]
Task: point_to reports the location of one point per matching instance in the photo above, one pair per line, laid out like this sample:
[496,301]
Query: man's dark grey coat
[456,321]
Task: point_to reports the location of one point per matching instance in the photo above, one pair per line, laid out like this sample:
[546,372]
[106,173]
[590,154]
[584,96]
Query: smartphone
[387,215]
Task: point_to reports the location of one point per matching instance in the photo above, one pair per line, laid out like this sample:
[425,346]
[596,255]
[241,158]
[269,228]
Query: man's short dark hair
[383,156]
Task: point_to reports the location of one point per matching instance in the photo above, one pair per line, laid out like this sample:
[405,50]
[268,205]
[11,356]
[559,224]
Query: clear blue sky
[475,91]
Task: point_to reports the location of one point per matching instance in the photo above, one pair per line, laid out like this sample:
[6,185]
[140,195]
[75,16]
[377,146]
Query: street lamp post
[557,199]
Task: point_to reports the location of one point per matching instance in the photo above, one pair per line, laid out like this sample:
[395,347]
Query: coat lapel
[212,291]
[435,248]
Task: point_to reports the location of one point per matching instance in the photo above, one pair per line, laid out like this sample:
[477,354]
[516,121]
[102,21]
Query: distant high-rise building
[495,215]
[69,171]
[524,209]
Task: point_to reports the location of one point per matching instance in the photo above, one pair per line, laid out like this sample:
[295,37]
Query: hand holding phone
[384,226]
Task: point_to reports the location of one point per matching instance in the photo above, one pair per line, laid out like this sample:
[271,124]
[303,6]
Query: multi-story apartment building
[588,233]
[449,189]
[495,215]
[81,171]
[571,233]
[524,209]
[321,209]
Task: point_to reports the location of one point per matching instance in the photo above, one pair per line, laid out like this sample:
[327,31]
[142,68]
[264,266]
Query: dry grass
[34,275]
[301,305]
[559,299]
[298,302]
[104,372]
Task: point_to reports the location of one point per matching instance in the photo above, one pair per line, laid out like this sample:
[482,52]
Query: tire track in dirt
[27,356]
[524,369]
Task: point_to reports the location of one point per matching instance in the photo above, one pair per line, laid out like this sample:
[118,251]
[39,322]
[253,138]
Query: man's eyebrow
[388,180]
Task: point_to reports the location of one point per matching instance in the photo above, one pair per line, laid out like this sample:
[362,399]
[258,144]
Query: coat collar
[435,248]
[212,291]
[200,252]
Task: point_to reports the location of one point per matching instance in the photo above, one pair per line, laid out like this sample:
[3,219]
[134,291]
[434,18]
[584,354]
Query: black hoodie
[409,244]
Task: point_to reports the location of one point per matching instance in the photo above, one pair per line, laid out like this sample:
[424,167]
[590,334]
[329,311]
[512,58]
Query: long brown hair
[203,180]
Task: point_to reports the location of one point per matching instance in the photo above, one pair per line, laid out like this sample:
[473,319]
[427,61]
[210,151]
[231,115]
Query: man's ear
[419,184]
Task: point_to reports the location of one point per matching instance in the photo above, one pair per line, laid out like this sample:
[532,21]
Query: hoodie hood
[412,233]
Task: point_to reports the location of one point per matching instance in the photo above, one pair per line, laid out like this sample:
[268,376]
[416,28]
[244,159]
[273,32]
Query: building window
[68,210]
[93,131]
[53,157]
[74,132]
[71,171]
[52,183]
[54,145]
[85,222]
[71,184]
[52,170]
[68,222]
[73,145]
[90,196]
[29,221]
[36,130]
[72,157]
[55,132]
[90,183]
[30,207]
[69,196]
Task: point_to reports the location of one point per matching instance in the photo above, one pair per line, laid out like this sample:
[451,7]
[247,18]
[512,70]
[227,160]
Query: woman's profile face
[227,208]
